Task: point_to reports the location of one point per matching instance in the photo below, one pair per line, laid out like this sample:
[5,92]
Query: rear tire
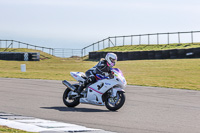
[70,102]
[115,103]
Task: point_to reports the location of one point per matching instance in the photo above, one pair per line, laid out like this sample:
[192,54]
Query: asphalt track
[146,110]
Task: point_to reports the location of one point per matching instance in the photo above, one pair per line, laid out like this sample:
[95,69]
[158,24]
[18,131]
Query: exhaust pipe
[68,85]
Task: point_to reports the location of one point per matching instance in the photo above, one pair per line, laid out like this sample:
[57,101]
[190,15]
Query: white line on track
[31,124]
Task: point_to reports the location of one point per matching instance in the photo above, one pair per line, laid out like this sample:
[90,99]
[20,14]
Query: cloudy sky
[78,23]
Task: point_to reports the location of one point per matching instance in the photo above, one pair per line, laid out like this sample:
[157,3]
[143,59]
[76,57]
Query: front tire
[115,103]
[68,100]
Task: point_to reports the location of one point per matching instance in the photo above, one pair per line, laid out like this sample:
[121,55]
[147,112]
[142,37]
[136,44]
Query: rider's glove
[106,74]
[91,79]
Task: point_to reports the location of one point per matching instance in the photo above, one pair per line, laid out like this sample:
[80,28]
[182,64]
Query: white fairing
[96,90]
[78,76]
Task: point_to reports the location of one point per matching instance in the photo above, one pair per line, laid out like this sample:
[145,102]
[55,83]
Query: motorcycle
[107,91]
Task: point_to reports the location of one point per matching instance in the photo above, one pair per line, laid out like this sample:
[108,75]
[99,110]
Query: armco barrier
[142,55]
[20,56]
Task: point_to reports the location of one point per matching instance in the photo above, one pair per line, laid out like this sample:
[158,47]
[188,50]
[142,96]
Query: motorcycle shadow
[76,109]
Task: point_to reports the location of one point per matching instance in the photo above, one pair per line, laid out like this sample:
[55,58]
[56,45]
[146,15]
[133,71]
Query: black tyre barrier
[196,52]
[91,55]
[134,55]
[189,53]
[125,56]
[144,55]
[103,54]
[130,56]
[173,54]
[119,56]
[141,55]
[19,56]
[100,55]
[181,53]
[151,54]
[158,55]
[165,54]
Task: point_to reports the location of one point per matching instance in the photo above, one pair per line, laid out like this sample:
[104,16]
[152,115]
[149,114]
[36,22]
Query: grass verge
[4,129]
[171,73]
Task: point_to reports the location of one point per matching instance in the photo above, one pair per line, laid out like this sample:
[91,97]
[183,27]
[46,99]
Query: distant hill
[145,47]
[43,55]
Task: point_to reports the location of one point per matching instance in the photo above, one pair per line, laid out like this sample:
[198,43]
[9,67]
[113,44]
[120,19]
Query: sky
[78,23]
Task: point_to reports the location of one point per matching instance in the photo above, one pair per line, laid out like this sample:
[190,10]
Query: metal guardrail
[59,52]
[17,44]
[138,40]
[66,53]
[154,38]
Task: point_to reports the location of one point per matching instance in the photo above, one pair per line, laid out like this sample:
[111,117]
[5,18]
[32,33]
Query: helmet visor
[112,60]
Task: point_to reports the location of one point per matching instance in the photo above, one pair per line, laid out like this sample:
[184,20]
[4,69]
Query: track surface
[146,110]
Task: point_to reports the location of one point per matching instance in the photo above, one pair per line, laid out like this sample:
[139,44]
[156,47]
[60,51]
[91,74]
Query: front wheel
[115,103]
[68,99]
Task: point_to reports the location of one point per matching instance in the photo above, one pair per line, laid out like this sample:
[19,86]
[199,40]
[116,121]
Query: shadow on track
[76,109]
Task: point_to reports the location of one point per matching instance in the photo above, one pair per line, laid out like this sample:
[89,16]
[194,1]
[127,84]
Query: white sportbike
[108,91]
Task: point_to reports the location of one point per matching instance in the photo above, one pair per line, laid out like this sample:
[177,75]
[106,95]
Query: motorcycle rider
[102,68]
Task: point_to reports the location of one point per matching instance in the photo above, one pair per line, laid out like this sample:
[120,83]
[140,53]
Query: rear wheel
[69,100]
[115,103]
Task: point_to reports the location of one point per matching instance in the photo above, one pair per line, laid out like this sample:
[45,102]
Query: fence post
[27,46]
[123,40]
[179,38]
[93,46]
[12,43]
[63,51]
[82,53]
[109,42]
[148,39]
[115,41]
[52,50]
[168,37]
[6,43]
[98,46]
[103,44]
[157,38]
[192,37]
[139,39]
[18,44]
[131,40]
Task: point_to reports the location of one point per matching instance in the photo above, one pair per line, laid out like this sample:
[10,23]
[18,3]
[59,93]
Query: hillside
[43,55]
[145,47]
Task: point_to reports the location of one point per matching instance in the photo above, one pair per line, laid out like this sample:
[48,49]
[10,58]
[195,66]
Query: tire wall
[20,56]
[143,55]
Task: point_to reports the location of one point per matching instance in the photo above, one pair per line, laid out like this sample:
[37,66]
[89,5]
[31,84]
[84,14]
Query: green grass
[172,73]
[4,129]
[150,47]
